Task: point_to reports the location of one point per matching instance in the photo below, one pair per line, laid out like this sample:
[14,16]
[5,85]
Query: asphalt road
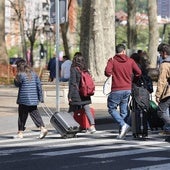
[99,151]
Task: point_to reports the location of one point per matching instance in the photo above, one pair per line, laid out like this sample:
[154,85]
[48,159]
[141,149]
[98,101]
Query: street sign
[63,11]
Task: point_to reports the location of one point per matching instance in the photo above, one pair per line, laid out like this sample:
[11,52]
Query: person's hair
[120,48]
[164,48]
[139,51]
[22,67]
[135,57]
[21,63]
[79,61]
[28,71]
[66,57]
[77,53]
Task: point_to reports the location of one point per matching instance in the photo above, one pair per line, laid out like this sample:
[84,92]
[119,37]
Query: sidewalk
[9,113]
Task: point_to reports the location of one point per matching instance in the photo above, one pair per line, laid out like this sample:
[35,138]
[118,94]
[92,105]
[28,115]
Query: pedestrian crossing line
[32,133]
[154,167]
[141,149]
[80,150]
[61,143]
[29,138]
[53,137]
[46,143]
[113,146]
[124,153]
[56,146]
[49,143]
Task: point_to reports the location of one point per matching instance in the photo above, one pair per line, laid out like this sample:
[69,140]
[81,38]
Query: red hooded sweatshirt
[123,70]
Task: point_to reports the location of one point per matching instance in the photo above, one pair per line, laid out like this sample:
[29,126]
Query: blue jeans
[62,79]
[163,112]
[115,99]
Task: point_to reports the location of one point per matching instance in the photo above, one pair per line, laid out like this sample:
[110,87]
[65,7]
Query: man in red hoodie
[123,70]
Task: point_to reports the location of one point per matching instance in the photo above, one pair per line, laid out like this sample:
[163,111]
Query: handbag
[107,85]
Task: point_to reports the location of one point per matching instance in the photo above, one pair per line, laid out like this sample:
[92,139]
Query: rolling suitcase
[139,121]
[63,122]
[81,118]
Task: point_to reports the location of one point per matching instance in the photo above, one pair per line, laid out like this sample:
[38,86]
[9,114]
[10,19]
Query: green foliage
[167,34]
[121,5]
[141,5]
[142,38]
[121,34]
[13,51]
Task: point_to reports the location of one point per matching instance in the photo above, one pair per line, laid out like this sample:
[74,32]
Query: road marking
[145,149]
[155,167]
[151,159]
[58,142]
[124,153]
[81,150]
[47,143]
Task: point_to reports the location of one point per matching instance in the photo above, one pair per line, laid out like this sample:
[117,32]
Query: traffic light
[42,51]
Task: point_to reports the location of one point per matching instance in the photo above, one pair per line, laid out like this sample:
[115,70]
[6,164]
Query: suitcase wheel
[69,136]
[138,136]
[135,135]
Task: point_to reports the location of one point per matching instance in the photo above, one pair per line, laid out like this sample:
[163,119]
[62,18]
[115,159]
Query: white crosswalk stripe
[102,145]
[54,140]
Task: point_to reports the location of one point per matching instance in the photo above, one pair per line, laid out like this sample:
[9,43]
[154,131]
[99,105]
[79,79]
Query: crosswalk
[101,145]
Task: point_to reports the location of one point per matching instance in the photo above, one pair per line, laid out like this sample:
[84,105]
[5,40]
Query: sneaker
[19,135]
[125,128]
[92,129]
[164,133]
[43,133]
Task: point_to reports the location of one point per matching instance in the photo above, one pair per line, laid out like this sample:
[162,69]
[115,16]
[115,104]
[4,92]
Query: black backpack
[141,95]
[146,82]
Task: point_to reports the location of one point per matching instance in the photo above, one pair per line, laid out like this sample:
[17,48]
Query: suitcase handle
[47,110]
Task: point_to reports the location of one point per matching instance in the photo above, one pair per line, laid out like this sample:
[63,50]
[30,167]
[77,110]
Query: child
[29,95]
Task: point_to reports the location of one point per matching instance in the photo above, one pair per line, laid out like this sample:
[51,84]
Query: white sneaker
[19,135]
[125,128]
[92,129]
[43,133]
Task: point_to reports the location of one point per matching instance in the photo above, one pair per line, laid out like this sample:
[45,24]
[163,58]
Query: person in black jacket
[75,99]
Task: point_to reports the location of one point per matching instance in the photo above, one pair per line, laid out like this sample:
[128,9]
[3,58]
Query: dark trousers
[163,112]
[23,111]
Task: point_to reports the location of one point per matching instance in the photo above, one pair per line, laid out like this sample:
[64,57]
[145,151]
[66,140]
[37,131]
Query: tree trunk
[21,22]
[153,32]
[97,40]
[132,34]
[64,28]
[3,51]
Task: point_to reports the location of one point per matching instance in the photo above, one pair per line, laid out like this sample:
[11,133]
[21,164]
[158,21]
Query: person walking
[77,101]
[52,68]
[163,91]
[29,95]
[65,69]
[123,69]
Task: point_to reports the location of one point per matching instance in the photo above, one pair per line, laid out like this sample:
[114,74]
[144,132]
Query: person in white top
[65,69]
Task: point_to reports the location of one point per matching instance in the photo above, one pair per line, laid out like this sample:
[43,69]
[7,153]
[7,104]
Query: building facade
[164,8]
[30,10]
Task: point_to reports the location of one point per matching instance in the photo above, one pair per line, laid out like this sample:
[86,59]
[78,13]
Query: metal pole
[57,55]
